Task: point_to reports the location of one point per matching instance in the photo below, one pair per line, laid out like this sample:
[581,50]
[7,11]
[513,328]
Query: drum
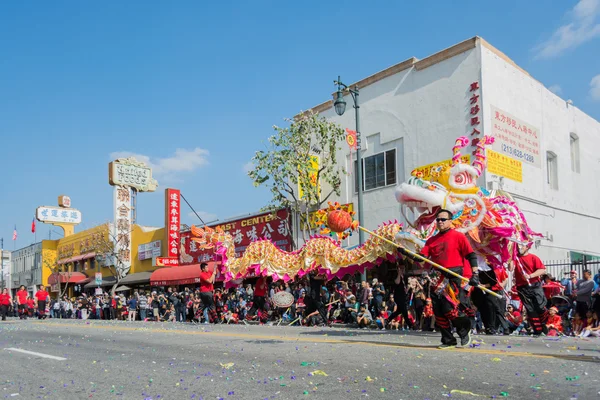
[283,299]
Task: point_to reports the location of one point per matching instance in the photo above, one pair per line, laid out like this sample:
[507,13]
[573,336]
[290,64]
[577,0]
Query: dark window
[378,170]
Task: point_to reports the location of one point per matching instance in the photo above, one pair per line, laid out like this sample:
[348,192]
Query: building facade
[26,268]
[412,113]
[5,268]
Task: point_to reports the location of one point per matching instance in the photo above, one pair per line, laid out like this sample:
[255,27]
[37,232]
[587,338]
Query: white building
[412,113]
[27,267]
[5,268]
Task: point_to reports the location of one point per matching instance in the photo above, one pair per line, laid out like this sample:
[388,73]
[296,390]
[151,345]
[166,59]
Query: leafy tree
[286,165]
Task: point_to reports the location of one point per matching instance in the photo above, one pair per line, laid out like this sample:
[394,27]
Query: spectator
[554,322]
[364,318]
[592,326]
[583,293]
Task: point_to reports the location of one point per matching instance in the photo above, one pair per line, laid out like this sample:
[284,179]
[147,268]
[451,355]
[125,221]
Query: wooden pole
[438,266]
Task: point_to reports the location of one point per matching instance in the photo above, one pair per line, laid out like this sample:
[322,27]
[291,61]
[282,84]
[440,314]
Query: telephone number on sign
[517,153]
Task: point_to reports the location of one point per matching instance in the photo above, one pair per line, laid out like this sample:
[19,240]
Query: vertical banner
[122,234]
[313,172]
[172,221]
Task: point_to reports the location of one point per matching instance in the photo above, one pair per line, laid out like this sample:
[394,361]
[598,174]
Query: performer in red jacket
[41,296]
[4,303]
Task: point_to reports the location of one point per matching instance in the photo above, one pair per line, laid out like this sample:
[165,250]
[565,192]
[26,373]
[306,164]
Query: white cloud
[182,161]
[249,166]
[595,87]
[582,25]
[207,217]
[556,89]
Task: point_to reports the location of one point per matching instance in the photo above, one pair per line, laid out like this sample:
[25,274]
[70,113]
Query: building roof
[422,64]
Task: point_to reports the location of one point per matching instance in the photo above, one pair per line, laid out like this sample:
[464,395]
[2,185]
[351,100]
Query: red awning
[184,275]
[70,277]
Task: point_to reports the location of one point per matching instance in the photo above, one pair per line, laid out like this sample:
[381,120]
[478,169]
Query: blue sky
[195,87]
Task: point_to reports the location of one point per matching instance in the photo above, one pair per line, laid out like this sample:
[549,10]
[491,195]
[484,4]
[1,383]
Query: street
[73,359]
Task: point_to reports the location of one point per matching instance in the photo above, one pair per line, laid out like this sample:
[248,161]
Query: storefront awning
[77,258]
[136,279]
[184,275]
[108,281]
[67,277]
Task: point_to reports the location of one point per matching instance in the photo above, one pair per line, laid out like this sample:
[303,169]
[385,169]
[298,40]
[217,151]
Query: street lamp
[340,107]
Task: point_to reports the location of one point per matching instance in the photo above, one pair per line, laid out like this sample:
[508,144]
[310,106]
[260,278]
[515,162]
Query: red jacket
[4,299]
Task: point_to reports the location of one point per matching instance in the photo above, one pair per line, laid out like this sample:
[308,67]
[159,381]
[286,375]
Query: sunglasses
[442,219]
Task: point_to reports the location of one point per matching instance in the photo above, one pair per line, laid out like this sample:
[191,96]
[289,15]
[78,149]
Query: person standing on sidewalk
[207,280]
[132,303]
[451,303]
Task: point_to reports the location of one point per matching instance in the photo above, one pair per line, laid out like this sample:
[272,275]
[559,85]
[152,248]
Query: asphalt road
[150,361]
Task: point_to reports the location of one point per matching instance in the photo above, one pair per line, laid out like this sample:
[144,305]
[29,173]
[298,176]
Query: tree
[50,261]
[285,166]
[111,258]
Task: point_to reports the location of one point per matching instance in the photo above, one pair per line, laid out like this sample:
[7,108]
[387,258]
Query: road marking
[33,353]
[247,336]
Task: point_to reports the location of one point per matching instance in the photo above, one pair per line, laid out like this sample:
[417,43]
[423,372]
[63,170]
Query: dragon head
[450,187]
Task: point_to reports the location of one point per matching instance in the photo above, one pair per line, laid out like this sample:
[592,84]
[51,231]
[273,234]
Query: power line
[184,199]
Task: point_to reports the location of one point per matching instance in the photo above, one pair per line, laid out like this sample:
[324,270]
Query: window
[575,162]
[378,170]
[552,169]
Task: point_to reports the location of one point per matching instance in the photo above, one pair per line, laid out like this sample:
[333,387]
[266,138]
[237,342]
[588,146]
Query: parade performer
[207,279]
[22,302]
[528,271]
[4,303]
[41,296]
[451,302]
[314,301]
[258,299]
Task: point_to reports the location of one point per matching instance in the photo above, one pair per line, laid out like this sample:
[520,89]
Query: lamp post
[340,107]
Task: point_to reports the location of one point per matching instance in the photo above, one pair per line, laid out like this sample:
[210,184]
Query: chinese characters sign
[271,226]
[502,165]
[426,171]
[515,138]
[132,173]
[148,250]
[122,235]
[172,221]
[58,215]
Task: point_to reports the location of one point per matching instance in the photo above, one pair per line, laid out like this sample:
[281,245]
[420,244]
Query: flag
[15,233]
[33,226]
[351,138]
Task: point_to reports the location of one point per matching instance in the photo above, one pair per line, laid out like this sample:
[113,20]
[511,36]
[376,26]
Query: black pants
[207,302]
[534,302]
[400,309]
[313,305]
[582,308]
[258,303]
[3,311]
[41,309]
[23,311]
[448,314]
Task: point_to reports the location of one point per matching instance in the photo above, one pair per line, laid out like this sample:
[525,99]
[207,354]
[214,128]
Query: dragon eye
[463,178]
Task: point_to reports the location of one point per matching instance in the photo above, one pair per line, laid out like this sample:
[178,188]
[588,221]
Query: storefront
[71,280]
[187,275]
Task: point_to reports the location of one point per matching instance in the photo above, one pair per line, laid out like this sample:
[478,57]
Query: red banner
[172,221]
[272,226]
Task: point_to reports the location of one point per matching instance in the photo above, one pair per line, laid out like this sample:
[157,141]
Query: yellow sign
[426,170]
[313,170]
[315,221]
[502,165]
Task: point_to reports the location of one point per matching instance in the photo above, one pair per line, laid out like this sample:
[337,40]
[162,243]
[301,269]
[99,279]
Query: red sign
[271,226]
[167,261]
[172,221]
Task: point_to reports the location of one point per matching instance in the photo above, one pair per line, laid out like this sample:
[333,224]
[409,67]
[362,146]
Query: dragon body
[320,253]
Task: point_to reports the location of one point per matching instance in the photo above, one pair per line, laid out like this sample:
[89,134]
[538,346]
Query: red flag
[351,138]
[33,226]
